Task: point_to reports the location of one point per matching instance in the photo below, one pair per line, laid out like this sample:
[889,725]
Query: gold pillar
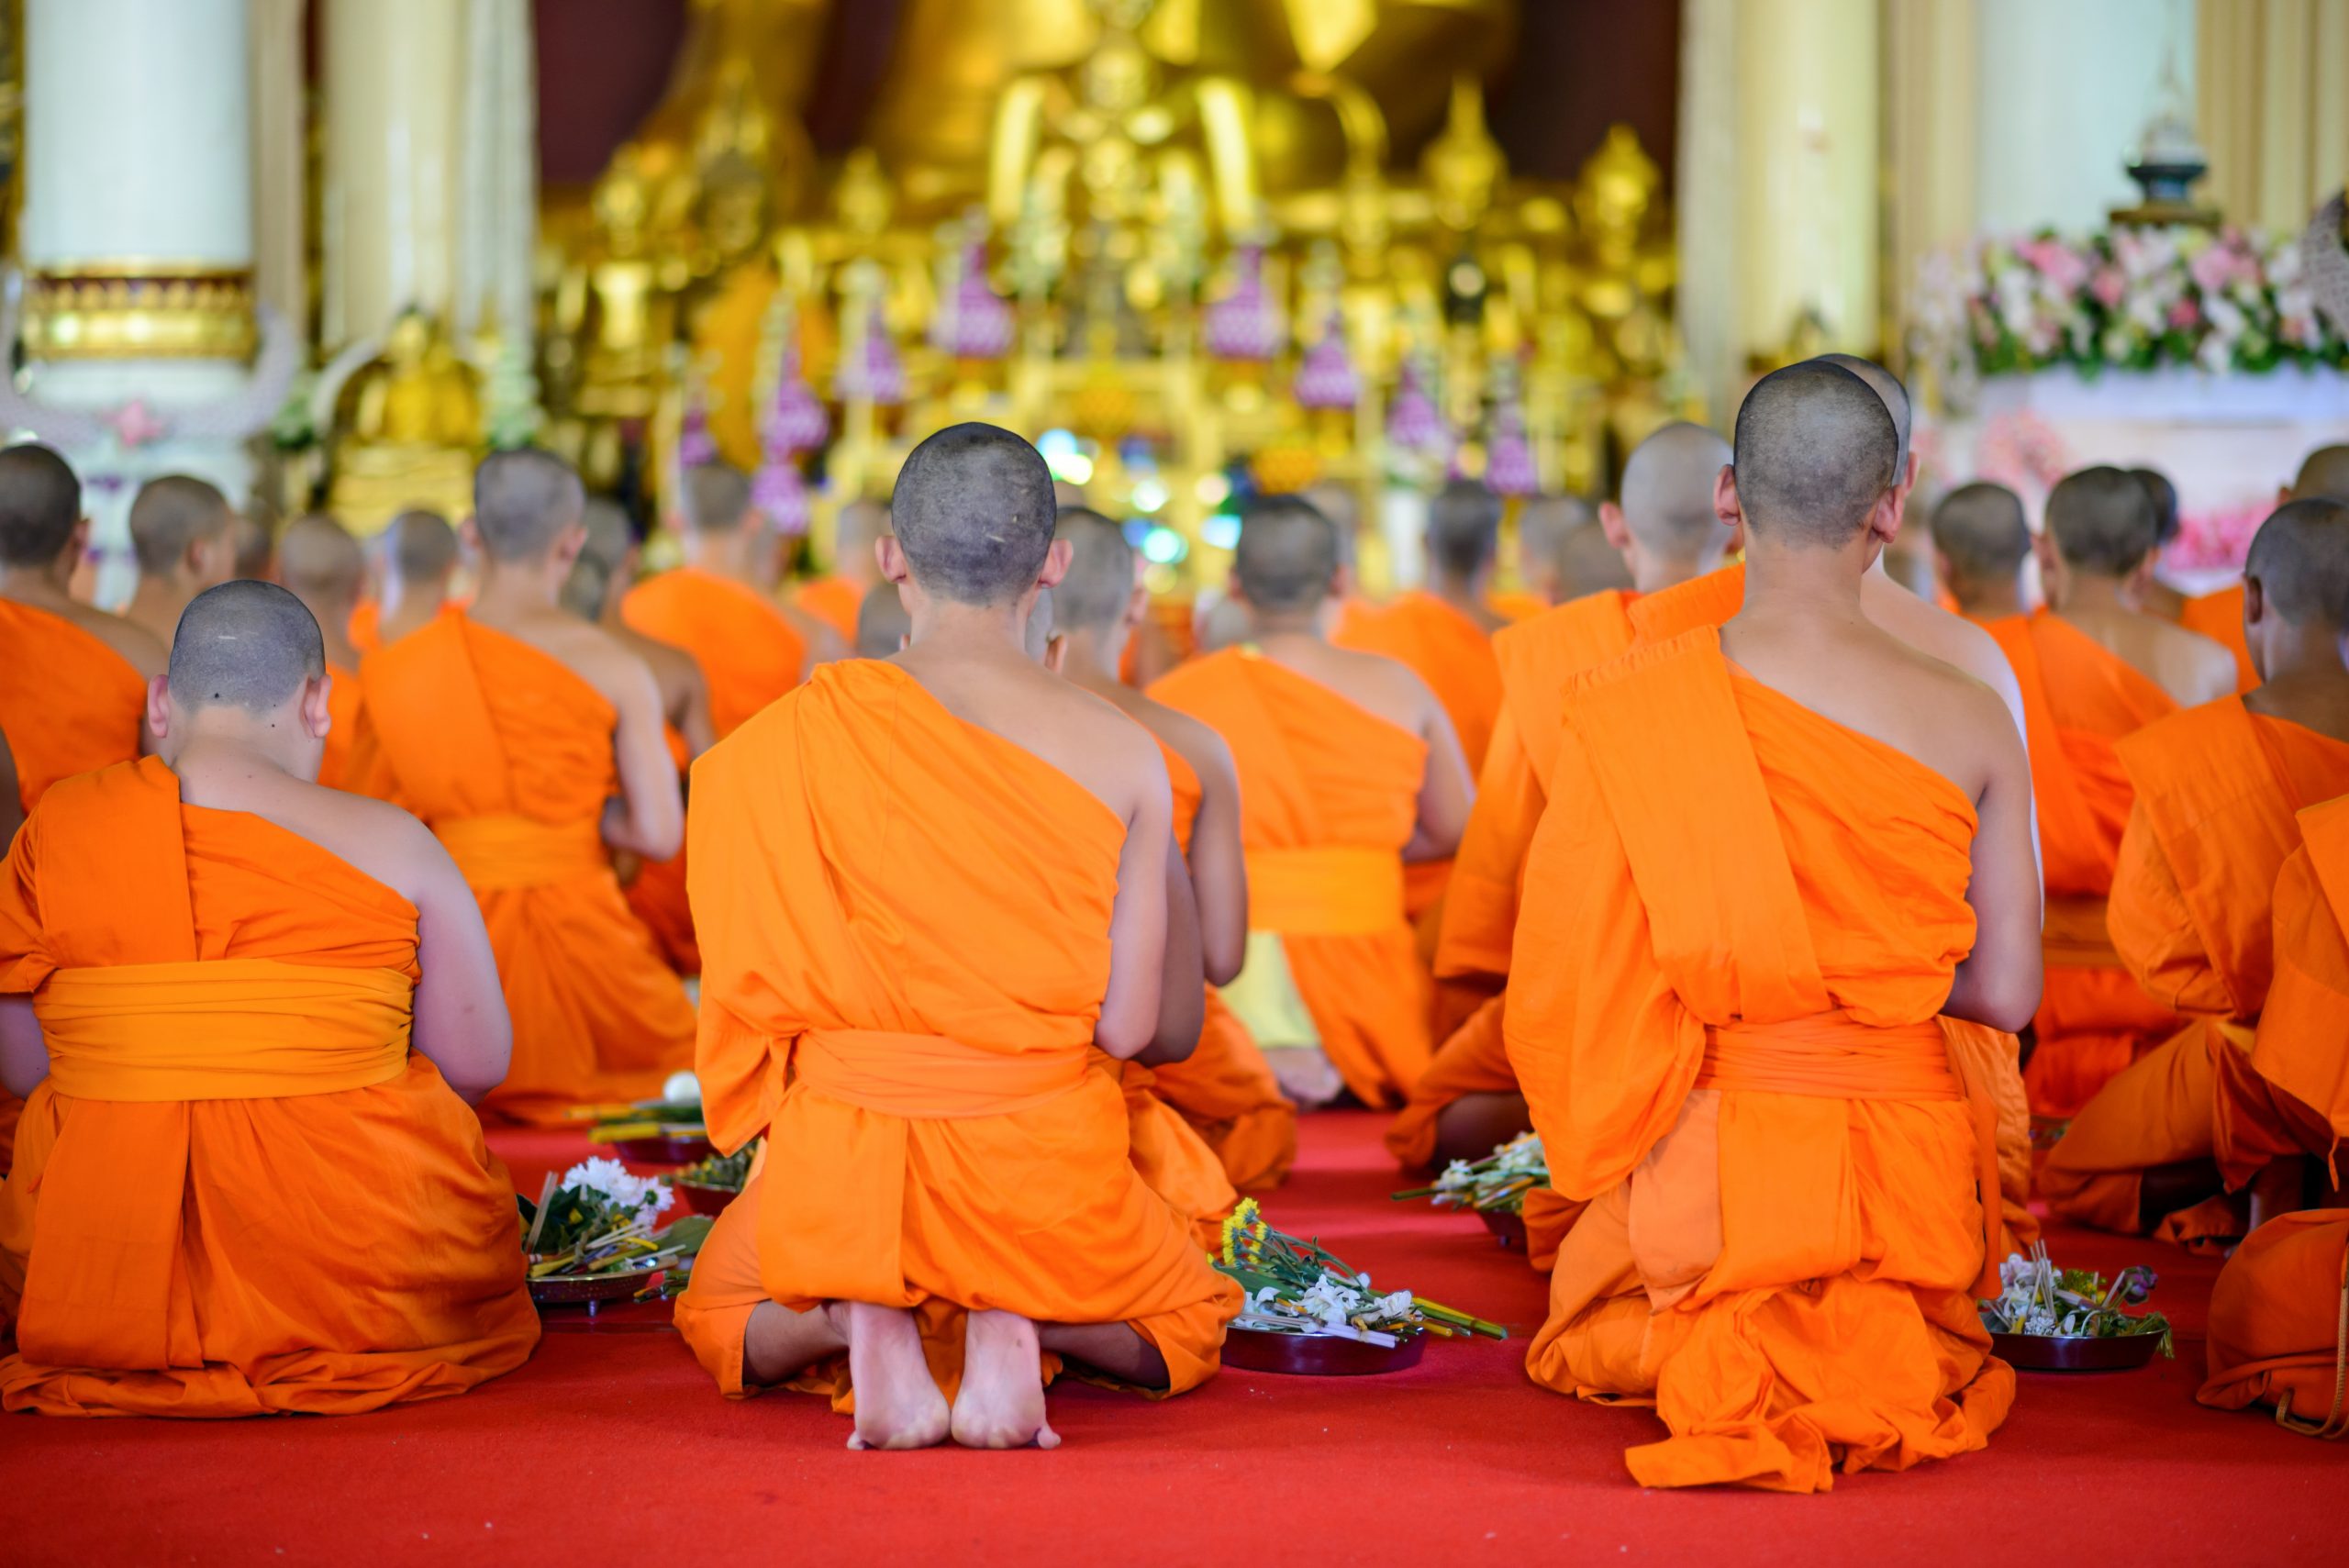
[2271,79]
[281,147]
[1930,75]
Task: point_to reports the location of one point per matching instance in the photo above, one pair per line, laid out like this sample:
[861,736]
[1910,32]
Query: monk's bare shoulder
[621,673]
[1945,717]
[375,836]
[1196,742]
[140,649]
[1387,688]
[2194,668]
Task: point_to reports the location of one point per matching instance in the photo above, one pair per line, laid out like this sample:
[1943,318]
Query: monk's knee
[778,1344]
[1115,1350]
[2180,1184]
[1473,1126]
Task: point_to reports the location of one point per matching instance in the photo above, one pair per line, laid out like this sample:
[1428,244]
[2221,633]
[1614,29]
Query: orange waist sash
[496,853]
[227,1030]
[1835,1056]
[930,1077]
[2075,935]
[1334,891]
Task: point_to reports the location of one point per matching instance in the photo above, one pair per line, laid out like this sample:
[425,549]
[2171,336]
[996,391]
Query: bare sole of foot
[1305,1075]
[1001,1402]
[897,1404]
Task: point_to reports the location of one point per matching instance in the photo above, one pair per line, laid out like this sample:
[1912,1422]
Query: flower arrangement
[1495,1184]
[2129,298]
[595,1221]
[727,1173]
[1295,1286]
[2037,1298]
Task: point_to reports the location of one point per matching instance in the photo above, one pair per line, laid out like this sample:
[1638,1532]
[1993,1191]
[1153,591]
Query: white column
[394,104]
[2065,92]
[138,238]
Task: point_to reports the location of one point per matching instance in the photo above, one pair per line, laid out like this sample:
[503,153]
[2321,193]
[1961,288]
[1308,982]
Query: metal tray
[2057,1352]
[1318,1355]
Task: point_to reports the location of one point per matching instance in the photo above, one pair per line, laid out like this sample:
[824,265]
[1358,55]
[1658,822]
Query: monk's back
[1017,700]
[2189,666]
[1380,685]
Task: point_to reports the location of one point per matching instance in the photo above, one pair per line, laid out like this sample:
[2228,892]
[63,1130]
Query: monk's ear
[2255,603]
[469,535]
[890,557]
[318,708]
[1885,517]
[1725,503]
[158,706]
[1137,605]
[1611,524]
[1056,562]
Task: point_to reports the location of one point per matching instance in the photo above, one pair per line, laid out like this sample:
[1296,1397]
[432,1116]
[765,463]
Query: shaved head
[524,502]
[244,645]
[1286,555]
[1588,564]
[2164,496]
[255,527]
[41,501]
[1981,530]
[1816,450]
[609,539]
[1341,504]
[2102,521]
[2324,473]
[171,513]
[974,512]
[1886,386]
[424,546]
[320,561]
[1667,499]
[881,624]
[1463,529]
[714,497]
[1100,581]
[2299,557]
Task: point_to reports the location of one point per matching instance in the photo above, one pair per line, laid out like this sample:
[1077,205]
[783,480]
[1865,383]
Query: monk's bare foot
[1305,1075]
[897,1404]
[1001,1402]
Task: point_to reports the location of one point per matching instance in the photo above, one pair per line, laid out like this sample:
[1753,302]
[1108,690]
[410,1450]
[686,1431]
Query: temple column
[393,97]
[137,244]
[1779,183]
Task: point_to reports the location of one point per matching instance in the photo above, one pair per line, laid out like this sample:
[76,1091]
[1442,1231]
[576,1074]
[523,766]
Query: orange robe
[835,601]
[2300,1061]
[1739,920]
[905,932]
[507,755]
[2219,617]
[238,1192]
[1328,797]
[347,705]
[657,896]
[69,705]
[2078,703]
[2279,1322]
[1226,1091]
[1454,656]
[748,650]
[1536,659]
[2217,788]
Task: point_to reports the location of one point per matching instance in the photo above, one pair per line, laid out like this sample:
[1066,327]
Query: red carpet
[611,1447]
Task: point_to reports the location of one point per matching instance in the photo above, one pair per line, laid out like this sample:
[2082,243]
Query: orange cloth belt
[1835,1056]
[1337,891]
[2075,935]
[500,853]
[931,1077]
[229,1029]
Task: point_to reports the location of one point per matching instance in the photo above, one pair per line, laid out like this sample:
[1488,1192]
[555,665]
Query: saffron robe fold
[749,651]
[238,1192]
[507,755]
[2078,703]
[905,925]
[69,705]
[2300,1061]
[2217,791]
[2279,1323]
[1739,920]
[1328,797]
[657,894]
[1537,659]
[2219,617]
[1225,1090]
[347,708]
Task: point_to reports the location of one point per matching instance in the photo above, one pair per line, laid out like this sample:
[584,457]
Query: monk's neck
[942,629]
[2100,597]
[1809,588]
[42,587]
[2158,598]
[333,623]
[214,751]
[730,556]
[2314,698]
[1654,574]
[1095,661]
[510,590]
[1988,601]
[1270,629]
[157,599]
[2308,657]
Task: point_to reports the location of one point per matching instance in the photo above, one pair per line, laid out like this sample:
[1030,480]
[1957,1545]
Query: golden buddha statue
[406,430]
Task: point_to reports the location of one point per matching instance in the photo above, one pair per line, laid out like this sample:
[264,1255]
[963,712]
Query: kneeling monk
[531,743]
[243,1008]
[1774,852]
[925,887]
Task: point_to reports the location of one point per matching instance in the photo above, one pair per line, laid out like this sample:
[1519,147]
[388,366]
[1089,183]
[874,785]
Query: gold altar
[1165,239]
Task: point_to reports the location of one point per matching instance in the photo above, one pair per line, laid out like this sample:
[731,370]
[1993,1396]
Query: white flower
[643,1196]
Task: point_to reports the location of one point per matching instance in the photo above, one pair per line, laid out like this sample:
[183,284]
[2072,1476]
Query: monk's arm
[1445,790]
[823,641]
[1182,987]
[2000,676]
[1130,1007]
[1218,866]
[461,1020]
[1999,982]
[649,817]
[12,806]
[24,1055]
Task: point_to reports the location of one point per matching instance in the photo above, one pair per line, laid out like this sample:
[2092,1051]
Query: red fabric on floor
[611,1446]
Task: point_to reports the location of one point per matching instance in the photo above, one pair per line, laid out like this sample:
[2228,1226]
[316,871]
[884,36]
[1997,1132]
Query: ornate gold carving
[139,311]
